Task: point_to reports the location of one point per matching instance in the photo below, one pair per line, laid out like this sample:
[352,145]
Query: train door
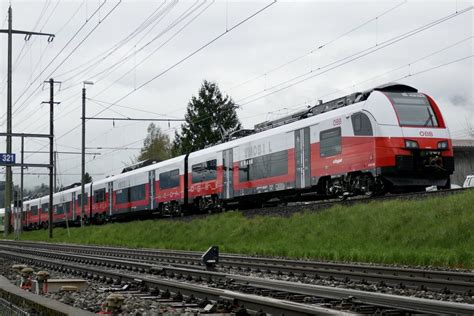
[110,190]
[228,192]
[151,182]
[303,158]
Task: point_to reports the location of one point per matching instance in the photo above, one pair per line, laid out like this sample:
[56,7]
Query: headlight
[443,145]
[411,144]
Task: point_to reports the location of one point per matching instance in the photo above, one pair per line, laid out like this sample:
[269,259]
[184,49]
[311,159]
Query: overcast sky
[286,57]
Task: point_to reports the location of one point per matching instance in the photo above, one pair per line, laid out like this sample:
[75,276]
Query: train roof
[151,167]
[280,129]
[324,107]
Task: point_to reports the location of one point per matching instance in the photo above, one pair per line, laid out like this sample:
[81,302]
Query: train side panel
[169,185]
[264,165]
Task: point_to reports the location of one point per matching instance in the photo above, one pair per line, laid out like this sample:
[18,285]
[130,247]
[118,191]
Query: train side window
[271,165]
[137,193]
[45,207]
[34,210]
[79,200]
[99,195]
[361,125]
[60,209]
[330,142]
[169,179]
[122,196]
[204,171]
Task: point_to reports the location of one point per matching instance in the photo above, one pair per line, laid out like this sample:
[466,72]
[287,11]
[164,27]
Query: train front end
[413,146]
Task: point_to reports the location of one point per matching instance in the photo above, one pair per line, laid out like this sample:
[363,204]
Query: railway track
[419,279]
[186,266]
[257,294]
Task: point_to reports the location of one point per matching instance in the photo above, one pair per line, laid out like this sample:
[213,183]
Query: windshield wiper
[430,118]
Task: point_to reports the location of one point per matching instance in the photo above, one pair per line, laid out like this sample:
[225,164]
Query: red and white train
[391,138]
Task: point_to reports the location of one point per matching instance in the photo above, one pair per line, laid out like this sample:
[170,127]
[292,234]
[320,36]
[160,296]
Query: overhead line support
[9,180]
[51,152]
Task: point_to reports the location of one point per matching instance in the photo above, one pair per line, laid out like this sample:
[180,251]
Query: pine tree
[209,117]
[156,146]
[87,178]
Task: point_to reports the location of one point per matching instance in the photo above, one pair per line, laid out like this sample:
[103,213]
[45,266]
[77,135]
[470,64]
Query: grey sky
[283,32]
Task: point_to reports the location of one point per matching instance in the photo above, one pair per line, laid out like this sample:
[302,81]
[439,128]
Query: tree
[209,117]
[87,178]
[156,146]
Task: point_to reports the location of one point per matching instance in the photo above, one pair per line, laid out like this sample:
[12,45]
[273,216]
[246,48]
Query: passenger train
[388,139]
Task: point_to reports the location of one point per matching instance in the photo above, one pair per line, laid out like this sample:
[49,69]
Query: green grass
[436,231]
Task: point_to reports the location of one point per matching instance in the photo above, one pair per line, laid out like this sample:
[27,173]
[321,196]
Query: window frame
[361,130]
[401,109]
[99,195]
[34,209]
[133,196]
[337,147]
[60,207]
[120,193]
[204,171]
[79,200]
[264,167]
[170,176]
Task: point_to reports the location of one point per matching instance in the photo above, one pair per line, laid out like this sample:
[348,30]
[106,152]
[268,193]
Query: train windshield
[413,109]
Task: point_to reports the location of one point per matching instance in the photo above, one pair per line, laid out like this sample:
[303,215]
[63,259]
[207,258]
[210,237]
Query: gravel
[94,296]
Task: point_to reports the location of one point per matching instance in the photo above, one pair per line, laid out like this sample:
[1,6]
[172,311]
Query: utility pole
[9,181]
[83,149]
[55,170]
[51,152]
[21,180]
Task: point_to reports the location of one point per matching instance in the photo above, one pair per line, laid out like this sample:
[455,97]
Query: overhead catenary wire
[52,61]
[193,53]
[102,56]
[175,64]
[343,61]
[107,15]
[411,63]
[129,107]
[107,71]
[18,59]
[42,53]
[143,60]
[63,89]
[319,47]
[82,41]
[132,51]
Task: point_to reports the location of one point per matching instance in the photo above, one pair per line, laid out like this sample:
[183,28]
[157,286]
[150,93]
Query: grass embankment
[436,231]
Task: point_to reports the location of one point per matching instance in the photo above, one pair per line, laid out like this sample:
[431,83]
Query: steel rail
[441,281]
[377,299]
[253,302]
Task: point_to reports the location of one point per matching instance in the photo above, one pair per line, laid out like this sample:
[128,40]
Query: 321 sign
[7,159]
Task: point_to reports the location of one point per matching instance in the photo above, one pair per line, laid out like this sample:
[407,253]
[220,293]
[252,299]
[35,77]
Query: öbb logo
[426,134]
